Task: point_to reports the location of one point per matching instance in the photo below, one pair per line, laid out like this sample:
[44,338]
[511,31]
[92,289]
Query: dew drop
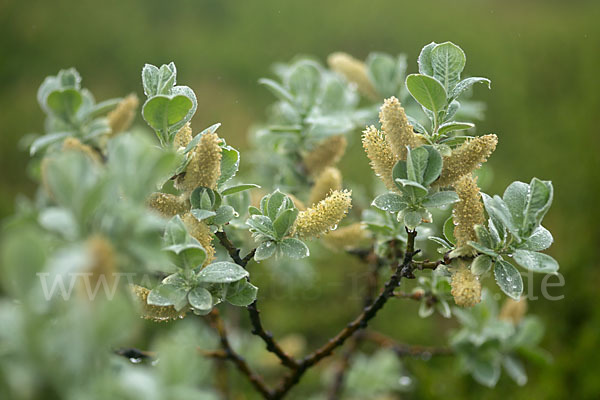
[135,360]
[405,380]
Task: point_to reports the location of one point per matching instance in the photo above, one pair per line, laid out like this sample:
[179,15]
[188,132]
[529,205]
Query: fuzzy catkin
[122,116]
[468,211]
[168,205]
[183,136]
[327,181]
[74,144]
[380,154]
[155,313]
[466,288]
[104,261]
[205,167]
[347,237]
[201,232]
[398,131]
[513,311]
[326,153]
[324,216]
[466,158]
[354,71]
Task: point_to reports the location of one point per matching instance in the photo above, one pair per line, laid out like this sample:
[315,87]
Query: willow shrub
[124,226]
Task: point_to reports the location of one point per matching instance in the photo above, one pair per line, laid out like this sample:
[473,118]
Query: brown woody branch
[228,353]
[257,327]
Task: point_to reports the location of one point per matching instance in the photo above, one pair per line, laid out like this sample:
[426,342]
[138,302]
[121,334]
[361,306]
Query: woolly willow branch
[228,353]
[257,327]
[402,270]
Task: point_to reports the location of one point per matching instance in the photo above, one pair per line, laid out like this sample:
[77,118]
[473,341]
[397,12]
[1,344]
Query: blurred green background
[543,58]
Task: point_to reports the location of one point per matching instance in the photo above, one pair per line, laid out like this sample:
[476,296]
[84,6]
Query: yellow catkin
[205,167]
[155,313]
[324,216]
[467,211]
[74,144]
[201,232]
[398,131]
[183,136]
[102,268]
[327,181]
[354,71]
[380,153]
[168,205]
[466,288]
[348,237]
[122,116]
[325,154]
[466,158]
[297,202]
[513,311]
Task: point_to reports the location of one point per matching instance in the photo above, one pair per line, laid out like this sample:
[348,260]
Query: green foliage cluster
[92,217]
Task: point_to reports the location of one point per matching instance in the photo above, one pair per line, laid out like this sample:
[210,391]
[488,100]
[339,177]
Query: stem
[402,270]
[255,379]
[257,327]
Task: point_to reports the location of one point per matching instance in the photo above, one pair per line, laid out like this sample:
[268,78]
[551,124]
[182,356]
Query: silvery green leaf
[59,220]
[175,231]
[440,199]
[440,241]
[482,249]
[244,295]
[466,84]
[196,139]
[453,108]
[238,188]
[455,140]
[261,224]
[412,188]
[416,163]
[304,82]
[418,127]
[284,222]
[44,141]
[534,261]
[443,308]
[429,92]
[383,72]
[500,214]
[538,204]
[448,230]
[224,214]
[294,248]
[275,204]
[222,272]
[486,372]
[189,93]
[425,310]
[515,369]
[508,279]
[399,170]
[230,164]
[515,197]
[424,60]
[150,79]
[412,219]
[448,61]
[454,126]
[201,214]
[279,91]
[390,202]
[64,103]
[481,264]
[165,295]
[483,236]
[265,250]
[200,299]
[540,239]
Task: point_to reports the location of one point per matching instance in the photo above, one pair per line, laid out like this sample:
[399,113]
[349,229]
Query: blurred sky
[543,58]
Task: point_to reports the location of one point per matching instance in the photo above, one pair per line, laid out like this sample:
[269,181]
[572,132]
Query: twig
[255,379]
[404,270]
[403,350]
[257,327]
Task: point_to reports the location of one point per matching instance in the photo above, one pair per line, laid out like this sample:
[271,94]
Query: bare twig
[255,379]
